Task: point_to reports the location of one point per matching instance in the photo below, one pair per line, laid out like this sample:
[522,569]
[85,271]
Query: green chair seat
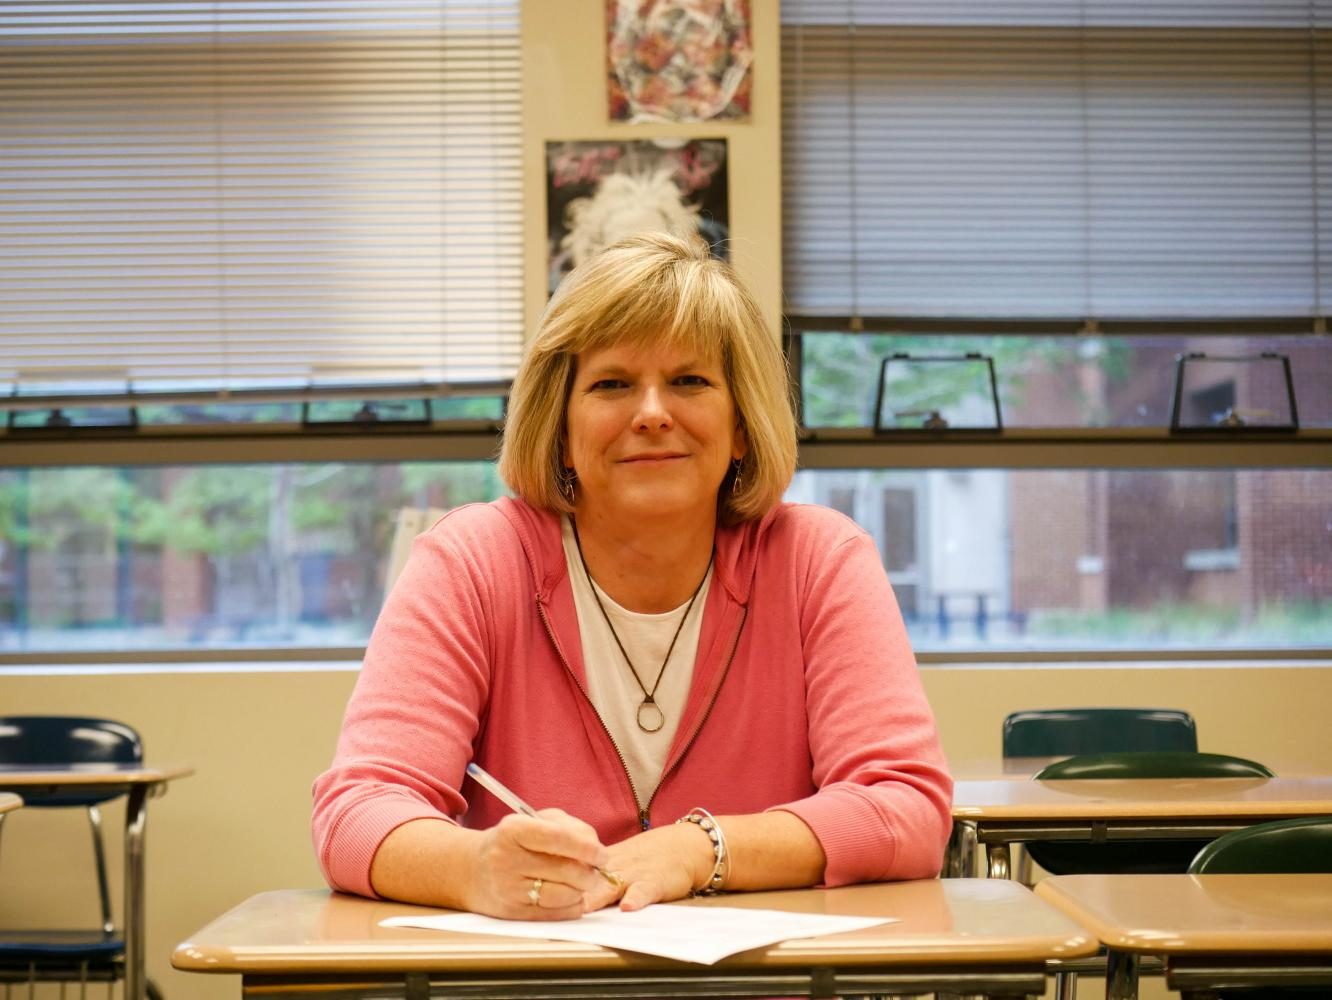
[1287,846]
[1152,764]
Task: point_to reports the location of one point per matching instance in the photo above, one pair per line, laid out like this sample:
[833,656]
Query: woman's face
[650,431]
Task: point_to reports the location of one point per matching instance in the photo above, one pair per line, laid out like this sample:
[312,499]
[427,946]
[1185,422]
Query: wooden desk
[964,935]
[1001,812]
[138,782]
[1214,930]
[9,802]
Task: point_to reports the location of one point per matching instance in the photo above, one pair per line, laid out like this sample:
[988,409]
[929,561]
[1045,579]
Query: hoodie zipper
[644,812]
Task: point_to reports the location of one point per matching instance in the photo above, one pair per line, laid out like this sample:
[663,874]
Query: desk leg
[952,861]
[136,818]
[960,858]
[997,857]
[1121,975]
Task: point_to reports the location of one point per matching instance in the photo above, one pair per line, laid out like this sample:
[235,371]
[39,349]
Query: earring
[568,478]
[738,481]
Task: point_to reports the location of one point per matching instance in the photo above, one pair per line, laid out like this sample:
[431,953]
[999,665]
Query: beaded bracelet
[709,825]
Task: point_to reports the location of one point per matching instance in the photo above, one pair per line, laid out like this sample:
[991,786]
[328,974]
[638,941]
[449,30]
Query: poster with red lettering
[678,60]
[599,192]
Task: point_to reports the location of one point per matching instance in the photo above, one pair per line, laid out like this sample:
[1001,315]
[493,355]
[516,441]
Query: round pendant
[650,717]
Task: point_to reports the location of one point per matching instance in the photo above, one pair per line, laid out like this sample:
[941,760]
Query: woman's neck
[649,568]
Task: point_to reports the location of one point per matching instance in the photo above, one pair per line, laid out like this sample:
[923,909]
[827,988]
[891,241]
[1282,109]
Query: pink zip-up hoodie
[805,697]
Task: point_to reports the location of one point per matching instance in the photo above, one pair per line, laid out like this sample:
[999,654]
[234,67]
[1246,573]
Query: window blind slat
[1054,172]
[228,191]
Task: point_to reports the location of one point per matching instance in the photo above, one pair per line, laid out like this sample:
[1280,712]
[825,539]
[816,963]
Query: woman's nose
[653,414]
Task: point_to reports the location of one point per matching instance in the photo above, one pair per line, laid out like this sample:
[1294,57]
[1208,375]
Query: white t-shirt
[610,684]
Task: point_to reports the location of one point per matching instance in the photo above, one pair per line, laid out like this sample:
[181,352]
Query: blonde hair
[653,288]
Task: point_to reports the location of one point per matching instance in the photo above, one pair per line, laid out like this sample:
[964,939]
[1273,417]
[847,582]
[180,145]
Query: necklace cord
[649,697]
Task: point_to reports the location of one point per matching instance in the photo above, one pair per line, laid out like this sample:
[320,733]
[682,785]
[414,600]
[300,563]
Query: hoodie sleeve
[883,806]
[417,705]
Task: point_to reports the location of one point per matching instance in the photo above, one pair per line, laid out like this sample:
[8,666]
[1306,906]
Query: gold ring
[534,893]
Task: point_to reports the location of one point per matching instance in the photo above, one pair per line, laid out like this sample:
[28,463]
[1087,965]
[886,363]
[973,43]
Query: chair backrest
[1152,764]
[34,740]
[1285,846]
[1057,731]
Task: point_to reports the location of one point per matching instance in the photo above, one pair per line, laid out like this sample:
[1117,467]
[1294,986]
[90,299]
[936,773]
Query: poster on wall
[678,60]
[602,191]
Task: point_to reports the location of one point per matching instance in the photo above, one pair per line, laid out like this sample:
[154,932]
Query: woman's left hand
[656,866]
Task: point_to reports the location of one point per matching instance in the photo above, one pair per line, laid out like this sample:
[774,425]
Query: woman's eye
[691,380]
[603,384]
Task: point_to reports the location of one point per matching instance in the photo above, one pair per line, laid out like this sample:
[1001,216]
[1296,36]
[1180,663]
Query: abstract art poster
[599,192]
[678,60]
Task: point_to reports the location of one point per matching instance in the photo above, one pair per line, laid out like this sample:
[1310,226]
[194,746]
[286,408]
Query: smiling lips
[661,456]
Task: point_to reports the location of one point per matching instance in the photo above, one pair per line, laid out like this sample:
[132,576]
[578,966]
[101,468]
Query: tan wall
[564,97]
[257,739]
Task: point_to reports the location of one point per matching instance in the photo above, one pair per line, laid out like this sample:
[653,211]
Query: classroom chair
[68,956]
[1127,857]
[1287,846]
[1058,732]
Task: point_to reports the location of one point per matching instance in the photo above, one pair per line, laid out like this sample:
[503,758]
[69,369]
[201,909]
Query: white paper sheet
[703,934]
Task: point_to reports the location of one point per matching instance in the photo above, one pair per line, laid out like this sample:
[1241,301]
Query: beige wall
[564,97]
[257,738]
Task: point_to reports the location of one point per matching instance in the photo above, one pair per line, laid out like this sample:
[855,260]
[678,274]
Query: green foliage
[467,408]
[1290,624]
[214,510]
[448,484]
[45,508]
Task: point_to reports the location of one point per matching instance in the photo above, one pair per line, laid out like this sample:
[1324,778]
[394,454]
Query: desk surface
[1199,914]
[45,775]
[1017,768]
[8,802]
[962,921]
[1142,798]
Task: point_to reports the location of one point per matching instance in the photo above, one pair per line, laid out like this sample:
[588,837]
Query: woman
[698,686]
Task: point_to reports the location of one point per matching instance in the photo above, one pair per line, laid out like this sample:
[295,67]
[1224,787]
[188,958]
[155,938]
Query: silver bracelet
[721,860]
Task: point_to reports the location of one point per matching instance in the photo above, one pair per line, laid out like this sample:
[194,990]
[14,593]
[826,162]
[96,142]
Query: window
[222,558]
[1081,192]
[228,221]
[263,198]
[1129,559]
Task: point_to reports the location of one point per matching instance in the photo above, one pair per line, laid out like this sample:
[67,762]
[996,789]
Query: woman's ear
[739,441]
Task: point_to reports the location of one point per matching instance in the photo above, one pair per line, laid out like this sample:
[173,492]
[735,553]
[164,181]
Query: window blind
[1056,160]
[244,193]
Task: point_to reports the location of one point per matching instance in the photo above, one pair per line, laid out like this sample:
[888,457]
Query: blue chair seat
[60,945]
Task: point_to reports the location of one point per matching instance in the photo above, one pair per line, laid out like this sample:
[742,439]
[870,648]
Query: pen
[496,788]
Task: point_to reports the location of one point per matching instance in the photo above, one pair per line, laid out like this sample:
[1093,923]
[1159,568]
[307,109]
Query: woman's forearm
[427,861]
[771,850]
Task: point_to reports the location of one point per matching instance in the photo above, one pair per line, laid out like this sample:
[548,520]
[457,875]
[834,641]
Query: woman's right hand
[535,867]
